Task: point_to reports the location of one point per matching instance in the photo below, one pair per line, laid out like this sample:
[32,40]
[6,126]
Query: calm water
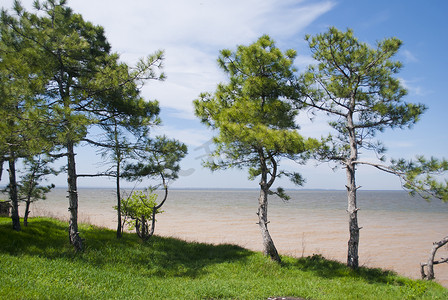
[398,230]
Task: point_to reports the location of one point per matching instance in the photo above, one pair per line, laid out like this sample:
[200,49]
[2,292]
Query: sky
[193,32]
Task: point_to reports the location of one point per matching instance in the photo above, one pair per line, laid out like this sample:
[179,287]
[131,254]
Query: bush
[139,211]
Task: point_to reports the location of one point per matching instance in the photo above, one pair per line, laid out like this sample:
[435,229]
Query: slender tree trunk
[353,242]
[352,209]
[119,228]
[13,193]
[27,212]
[119,159]
[75,239]
[157,207]
[28,200]
[1,168]
[141,228]
[268,243]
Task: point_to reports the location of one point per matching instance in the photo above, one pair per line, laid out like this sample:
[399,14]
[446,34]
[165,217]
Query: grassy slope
[38,262]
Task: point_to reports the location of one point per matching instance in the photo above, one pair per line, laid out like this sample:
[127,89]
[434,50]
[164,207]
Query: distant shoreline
[229,189]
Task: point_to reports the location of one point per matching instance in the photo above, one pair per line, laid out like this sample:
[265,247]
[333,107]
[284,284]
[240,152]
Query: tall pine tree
[354,85]
[254,121]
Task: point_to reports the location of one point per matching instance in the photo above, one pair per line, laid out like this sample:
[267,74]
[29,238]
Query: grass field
[39,263]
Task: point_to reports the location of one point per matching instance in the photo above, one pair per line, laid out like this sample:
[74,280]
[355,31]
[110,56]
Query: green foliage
[139,211]
[280,192]
[38,263]
[35,170]
[72,82]
[256,123]
[157,158]
[70,52]
[23,125]
[117,88]
[355,84]
[138,208]
[423,176]
[82,82]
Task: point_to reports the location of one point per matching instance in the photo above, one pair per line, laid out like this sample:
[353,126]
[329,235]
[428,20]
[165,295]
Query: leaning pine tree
[255,121]
[355,86]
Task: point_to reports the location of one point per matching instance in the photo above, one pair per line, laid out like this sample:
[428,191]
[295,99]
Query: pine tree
[84,80]
[254,121]
[354,85]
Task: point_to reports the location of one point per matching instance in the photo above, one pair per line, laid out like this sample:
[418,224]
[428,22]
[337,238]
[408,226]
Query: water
[398,230]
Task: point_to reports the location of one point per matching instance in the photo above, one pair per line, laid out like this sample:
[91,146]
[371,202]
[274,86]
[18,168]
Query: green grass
[39,263]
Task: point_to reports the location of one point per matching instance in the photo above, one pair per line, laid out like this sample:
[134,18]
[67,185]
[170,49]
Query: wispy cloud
[408,56]
[412,87]
[303,61]
[192,33]
[191,137]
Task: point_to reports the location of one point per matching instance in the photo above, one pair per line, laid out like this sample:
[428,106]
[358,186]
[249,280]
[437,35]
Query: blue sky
[193,32]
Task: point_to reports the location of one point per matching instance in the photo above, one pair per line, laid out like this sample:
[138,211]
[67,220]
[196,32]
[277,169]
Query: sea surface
[397,230]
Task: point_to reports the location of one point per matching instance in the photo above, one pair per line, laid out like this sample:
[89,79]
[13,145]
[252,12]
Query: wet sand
[396,241]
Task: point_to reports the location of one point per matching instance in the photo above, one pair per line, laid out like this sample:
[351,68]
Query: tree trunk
[352,209]
[119,159]
[27,212]
[75,239]
[1,168]
[353,242]
[119,228]
[141,228]
[32,184]
[430,264]
[13,193]
[268,243]
[157,207]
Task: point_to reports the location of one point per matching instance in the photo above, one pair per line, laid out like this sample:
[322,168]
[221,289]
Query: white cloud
[192,33]
[218,23]
[303,61]
[189,136]
[189,72]
[409,57]
[289,18]
[411,86]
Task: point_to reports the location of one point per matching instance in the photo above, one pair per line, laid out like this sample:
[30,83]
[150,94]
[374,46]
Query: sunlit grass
[39,263]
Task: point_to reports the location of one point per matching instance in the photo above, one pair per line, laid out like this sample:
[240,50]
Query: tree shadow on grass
[174,257]
[160,256]
[325,268]
[42,236]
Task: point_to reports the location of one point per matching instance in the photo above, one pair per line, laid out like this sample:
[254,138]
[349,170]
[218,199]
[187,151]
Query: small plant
[139,211]
[414,289]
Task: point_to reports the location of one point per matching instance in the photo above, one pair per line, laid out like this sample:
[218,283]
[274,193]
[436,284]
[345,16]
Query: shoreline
[395,240]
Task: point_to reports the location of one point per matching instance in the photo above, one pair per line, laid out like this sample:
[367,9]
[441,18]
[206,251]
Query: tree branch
[96,175]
